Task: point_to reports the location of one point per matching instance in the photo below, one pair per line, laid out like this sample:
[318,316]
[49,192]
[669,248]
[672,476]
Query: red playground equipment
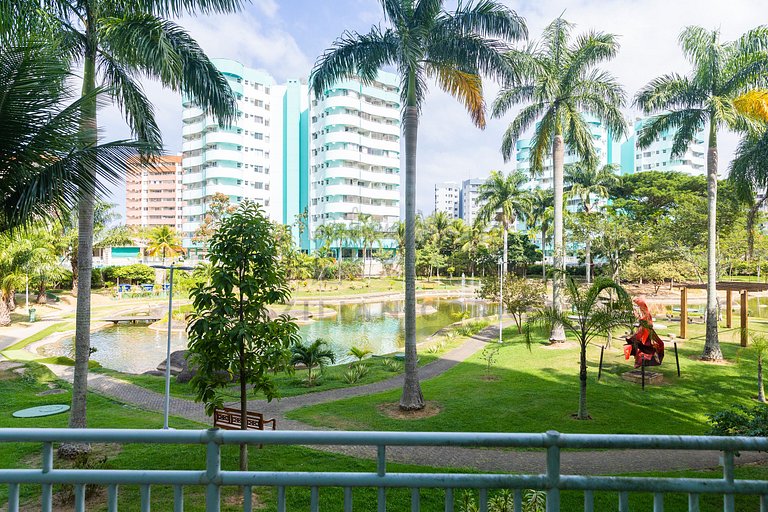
[644,344]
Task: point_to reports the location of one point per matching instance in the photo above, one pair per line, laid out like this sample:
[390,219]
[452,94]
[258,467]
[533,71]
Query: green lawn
[20,392]
[537,390]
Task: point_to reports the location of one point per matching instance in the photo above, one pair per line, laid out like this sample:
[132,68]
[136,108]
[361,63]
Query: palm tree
[559,80]
[40,172]
[540,216]
[593,315]
[116,42]
[312,355]
[473,240]
[586,182]
[722,71]
[369,233]
[749,173]
[504,199]
[164,240]
[424,42]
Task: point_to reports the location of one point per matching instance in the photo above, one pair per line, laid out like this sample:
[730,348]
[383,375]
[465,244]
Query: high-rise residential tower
[238,161]
[153,192]
[447,198]
[658,156]
[354,162]
[469,200]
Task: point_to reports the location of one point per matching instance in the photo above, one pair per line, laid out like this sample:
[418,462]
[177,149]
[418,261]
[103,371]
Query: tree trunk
[341,248]
[412,398]
[506,250]
[558,156]
[5,314]
[588,260]
[12,300]
[543,254]
[41,293]
[583,414]
[77,418]
[243,408]
[760,388]
[712,350]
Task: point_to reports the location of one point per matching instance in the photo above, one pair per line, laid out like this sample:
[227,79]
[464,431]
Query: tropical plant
[472,241]
[368,232]
[559,80]
[504,199]
[519,295]
[231,332]
[42,167]
[591,316]
[540,217]
[359,353]
[216,210]
[164,240]
[759,348]
[423,41]
[740,421]
[586,182]
[722,71]
[316,354]
[749,174]
[116,43]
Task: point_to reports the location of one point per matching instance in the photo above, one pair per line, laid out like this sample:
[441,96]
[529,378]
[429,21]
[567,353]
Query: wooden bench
[228,418]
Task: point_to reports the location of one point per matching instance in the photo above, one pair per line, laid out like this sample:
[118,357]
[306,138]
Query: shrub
[138,273]
[97,279]
[741,421]
[471,328]
[392,365]
[355,373]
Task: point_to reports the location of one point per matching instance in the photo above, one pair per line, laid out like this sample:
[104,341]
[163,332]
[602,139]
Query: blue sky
[285,38]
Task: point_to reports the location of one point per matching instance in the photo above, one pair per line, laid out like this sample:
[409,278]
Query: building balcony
[190,194]
[192,161]
[226,155]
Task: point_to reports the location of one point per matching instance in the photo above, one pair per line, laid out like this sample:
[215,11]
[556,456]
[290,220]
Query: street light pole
[167,408]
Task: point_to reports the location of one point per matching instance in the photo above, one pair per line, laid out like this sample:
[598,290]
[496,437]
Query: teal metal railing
[214,478]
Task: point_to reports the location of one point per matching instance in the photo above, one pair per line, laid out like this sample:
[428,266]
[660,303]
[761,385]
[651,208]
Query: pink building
[153,193]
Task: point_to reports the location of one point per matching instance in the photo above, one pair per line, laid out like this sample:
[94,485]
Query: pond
[377,326]
[757,307]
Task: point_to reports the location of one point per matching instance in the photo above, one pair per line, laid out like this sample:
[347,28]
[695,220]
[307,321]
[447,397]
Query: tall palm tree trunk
[412,398]
[77,418]
[712,350]
[341,249]
[506,250]
[558,158]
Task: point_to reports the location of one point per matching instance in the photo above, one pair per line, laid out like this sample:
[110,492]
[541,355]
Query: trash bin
[32,314]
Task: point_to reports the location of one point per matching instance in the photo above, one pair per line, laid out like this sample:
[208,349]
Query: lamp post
[167,407]
[501,297]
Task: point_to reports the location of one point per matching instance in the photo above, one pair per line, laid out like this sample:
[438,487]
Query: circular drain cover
[42,410]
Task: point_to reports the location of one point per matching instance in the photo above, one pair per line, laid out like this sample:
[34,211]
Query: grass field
[536,390]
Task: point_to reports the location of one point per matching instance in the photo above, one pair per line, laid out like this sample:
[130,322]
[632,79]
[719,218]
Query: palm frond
[487,18]
[465,87]
[524,120]
[662,123]
[669,92]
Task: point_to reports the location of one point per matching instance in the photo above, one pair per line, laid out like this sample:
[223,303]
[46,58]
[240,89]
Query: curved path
[581,462]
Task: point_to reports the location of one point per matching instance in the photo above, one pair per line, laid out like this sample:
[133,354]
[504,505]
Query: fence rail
[214,478]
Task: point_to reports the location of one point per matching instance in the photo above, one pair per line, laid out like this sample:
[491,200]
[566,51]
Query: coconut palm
[540,217]
[116,43]
[316,354]
[41,167]
[164,240]
[559,81]
[504,199]
[585,183]
[369,233]
[423,41]
[472,241]
[594,314]
[722,71]
[749,173]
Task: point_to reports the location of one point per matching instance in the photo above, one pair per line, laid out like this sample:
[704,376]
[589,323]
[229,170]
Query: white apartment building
[354,159]
[237,161]
[447,198]
[469,200]
[658,156]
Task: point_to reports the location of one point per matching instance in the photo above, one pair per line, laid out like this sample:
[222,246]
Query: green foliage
[519,295]
[97,279]
[740,421]
[316,354]
[490,355]
[359,352]
[503,500]
[392,365]
[231,332]
[355,373]
[471,328]
[138,273]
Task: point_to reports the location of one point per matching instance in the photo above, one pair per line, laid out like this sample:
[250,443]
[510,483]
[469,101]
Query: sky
[285,38]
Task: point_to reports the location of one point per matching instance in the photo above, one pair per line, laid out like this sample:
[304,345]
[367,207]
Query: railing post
[47,497]
[729,503]
[212,473]
[381,470]
[13,497]
[553,471]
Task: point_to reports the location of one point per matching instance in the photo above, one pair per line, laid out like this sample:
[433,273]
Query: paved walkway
[581,462]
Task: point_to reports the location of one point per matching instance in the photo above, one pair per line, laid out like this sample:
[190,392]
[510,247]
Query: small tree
[759,349]
[312,355]
[520,295]
[593,315]
[232,334]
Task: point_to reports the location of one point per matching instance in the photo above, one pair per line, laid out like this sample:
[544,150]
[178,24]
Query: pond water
[376,326]
[757,307]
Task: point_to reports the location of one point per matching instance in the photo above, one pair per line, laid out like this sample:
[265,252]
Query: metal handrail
[213,477]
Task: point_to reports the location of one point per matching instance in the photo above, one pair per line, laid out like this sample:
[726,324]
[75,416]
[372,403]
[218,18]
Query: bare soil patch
[392,410]
[723,362]
[564,345]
